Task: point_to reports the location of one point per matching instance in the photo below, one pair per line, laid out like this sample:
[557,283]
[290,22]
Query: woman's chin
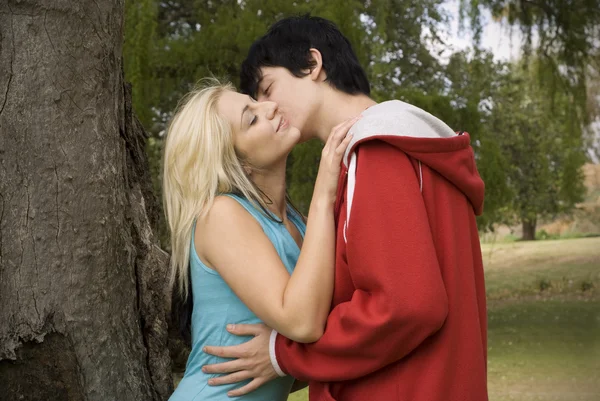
[295,132]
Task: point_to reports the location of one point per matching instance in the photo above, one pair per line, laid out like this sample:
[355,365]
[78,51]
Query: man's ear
[317,73]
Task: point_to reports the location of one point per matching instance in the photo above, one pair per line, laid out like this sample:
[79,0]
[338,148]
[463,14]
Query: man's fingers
[224,367]
[233,351]
[248,388]
[246,329]
[229,379]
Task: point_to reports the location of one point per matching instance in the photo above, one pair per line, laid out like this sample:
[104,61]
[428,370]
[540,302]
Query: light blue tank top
[216,305]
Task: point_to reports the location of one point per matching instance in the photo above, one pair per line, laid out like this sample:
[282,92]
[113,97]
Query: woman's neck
[272,183]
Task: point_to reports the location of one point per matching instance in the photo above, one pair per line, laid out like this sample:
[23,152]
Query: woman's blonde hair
[199,163]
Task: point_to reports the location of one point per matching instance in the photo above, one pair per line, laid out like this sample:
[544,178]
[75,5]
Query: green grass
[542,268]
[544,349]
[301,395]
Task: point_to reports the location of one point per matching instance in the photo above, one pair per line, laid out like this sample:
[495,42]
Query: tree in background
[544,152]
[561,54]
[473,81]
[528,149]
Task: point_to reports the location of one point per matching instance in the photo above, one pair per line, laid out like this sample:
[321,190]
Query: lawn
[544,320]
[544,350]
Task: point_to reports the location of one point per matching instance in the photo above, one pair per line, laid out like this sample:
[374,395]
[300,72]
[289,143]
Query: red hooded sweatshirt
[408,317]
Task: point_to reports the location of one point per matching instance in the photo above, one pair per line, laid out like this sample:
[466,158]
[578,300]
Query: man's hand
[252,359]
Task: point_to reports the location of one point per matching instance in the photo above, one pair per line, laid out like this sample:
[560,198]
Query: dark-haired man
[408,317]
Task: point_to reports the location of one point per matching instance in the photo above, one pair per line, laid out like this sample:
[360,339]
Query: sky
[496,37]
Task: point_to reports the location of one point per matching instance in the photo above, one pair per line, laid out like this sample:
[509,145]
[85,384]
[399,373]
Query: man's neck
[338,107]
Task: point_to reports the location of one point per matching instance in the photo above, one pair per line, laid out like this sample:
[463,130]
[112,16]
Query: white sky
[496,37]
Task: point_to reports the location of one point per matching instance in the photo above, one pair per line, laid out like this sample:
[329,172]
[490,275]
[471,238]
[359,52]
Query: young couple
[379,293]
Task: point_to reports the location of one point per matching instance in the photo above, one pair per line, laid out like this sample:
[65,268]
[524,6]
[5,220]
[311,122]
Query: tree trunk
[83,311]
[529,229]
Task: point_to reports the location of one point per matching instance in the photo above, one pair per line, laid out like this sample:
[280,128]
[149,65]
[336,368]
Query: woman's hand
[331,158]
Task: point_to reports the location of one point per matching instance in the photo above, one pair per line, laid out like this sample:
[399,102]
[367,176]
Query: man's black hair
[287,44]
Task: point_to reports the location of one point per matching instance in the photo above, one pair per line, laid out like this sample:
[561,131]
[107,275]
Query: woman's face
[260,132]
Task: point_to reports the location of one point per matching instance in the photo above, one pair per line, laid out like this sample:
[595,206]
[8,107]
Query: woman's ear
[317,73]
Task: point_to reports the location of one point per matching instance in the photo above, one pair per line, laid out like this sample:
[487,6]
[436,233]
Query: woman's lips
[283,124]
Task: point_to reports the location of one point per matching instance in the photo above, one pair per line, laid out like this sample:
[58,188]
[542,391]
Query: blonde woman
[236,238]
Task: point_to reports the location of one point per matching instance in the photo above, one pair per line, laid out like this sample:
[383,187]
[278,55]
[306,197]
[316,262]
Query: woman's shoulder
[226,209]
[225,219]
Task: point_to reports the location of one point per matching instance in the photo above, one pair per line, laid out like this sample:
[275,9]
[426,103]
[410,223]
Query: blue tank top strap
[297,219]
[262,218]
[246,204]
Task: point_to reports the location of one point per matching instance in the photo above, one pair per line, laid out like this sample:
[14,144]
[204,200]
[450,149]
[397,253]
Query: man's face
[295,97]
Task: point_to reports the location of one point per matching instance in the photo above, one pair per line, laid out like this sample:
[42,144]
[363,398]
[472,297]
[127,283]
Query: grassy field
[544,320]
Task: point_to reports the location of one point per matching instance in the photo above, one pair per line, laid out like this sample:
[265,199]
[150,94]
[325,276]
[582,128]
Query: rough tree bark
[82,306]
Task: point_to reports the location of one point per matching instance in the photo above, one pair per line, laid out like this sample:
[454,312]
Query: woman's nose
[270,109]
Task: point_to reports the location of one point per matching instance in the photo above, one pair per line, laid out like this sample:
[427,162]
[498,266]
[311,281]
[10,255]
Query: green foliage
[139,48]
[474,82]
[562,35]
[563,40]
[543,149]
[303,166]
[397,32]
[528,147]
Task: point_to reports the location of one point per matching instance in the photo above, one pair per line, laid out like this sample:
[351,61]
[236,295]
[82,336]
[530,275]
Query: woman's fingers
[341,148]
[340,131]
[344,126]
[340,139]
[345,123]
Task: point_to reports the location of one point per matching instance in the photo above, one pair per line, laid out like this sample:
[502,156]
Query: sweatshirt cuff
[272,355]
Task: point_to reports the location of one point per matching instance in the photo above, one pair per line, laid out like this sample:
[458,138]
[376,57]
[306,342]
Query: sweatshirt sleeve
[399,298]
